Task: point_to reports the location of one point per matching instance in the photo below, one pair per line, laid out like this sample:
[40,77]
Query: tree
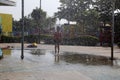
[77,10]
[35,22]
[50,22]
[88,13]
[39,17]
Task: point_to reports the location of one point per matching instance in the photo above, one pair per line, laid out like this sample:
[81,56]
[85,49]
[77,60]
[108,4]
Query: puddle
[75,58]
[6,51]
[37,52]
[95,67]
[38,55]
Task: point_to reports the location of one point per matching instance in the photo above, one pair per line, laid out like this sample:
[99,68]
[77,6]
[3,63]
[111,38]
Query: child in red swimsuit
[57,39]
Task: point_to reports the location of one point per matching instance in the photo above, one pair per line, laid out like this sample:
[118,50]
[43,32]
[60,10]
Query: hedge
[48,39]
[118,44]
[10,39]
[27,39]
[31,38]
[81,40]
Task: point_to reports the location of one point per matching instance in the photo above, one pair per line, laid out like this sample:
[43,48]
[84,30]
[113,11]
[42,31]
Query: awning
[7,3]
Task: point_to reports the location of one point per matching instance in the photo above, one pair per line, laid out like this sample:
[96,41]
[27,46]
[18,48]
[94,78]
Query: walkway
[36,68]
[103,51]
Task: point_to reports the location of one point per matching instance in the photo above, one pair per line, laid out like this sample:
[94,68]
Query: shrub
[10,39]
[82,40]
[118,44]
[31,38]
[48,39]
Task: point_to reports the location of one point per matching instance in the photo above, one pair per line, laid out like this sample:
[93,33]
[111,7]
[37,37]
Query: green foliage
[50,22]
[9,39]
[81,11]
[48,39]
[36,21]
[31,38]
[82,41]
[118,44]
[117,27]
[39,16]
[88,13]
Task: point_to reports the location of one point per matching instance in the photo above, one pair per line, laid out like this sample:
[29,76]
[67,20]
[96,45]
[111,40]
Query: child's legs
[55,42]
[57,47]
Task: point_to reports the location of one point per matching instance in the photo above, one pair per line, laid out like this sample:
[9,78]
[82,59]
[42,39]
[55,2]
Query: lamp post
[40,23]
[22,45]
[40,4]
[112,34]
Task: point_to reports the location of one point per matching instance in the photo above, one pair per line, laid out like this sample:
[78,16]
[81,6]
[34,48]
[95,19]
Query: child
[57,39]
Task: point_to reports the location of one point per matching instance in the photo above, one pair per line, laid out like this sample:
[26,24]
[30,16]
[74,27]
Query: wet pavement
[43,64]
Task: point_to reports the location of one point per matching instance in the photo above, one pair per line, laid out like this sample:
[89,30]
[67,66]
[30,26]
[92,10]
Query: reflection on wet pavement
[57,58]
[38,52]
[86,59]
[6,51]
[37,55]
[95,67]
[75,58]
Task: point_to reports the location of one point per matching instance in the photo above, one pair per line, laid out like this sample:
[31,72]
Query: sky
[50,6]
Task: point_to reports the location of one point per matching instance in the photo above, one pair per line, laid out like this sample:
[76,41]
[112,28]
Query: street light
[40,22]
[40,4]
[22,45]
[112,34]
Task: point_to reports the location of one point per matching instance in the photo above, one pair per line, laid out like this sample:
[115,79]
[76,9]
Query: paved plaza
[46,67]
[103,51]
